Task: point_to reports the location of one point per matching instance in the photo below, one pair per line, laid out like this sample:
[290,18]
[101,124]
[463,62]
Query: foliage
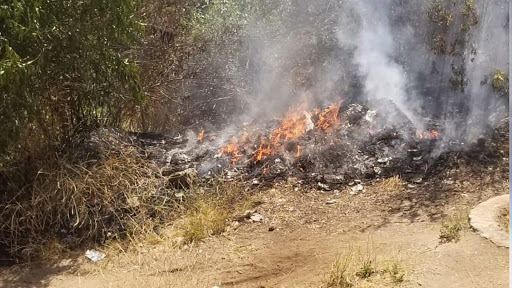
[61,68]
[500,83]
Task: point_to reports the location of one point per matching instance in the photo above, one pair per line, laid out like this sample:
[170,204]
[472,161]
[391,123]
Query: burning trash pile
[333,145]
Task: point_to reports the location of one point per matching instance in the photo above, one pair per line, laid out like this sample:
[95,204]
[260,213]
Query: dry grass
[206,218]
[208,212]
[453,226]
[392,185]
[362,268]
[338,276]
[64,202]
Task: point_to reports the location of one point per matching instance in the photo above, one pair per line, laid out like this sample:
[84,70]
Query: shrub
[61,69]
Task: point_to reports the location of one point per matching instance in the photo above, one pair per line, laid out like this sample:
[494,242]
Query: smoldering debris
[368,146]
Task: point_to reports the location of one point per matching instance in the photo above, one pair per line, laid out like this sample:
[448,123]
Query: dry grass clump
[364,269]
[208,212]
[453,226]
[392,185]
[206,218]
[338,276]
[61,202]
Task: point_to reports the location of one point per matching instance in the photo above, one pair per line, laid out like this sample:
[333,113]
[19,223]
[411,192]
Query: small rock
[94,255]
[416,158]
[330,201]
[256,217]
[271,228]
[323,186]
[417,180]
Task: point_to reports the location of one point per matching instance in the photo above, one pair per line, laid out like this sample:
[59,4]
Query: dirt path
[298,259]
[400,228]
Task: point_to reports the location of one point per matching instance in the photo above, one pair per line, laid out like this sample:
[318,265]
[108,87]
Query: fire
[430,134]
[234,147]
[327,117]
[200,136]
[292,126]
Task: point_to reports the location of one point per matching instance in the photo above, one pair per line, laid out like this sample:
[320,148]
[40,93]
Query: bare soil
[300,237]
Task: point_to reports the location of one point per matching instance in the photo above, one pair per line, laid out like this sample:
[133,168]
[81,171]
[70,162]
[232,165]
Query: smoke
[323,51]
[374,50]
[490,42]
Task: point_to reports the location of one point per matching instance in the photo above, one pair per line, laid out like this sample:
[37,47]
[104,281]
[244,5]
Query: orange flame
[430,134]
[200,136]
[291,127]
[327,117]
[234,147]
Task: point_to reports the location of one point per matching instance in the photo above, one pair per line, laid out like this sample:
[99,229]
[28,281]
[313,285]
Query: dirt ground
[307,236]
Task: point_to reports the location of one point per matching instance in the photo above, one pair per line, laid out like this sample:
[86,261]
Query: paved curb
[483,218]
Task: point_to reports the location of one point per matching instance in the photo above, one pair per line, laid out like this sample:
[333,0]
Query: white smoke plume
[375,48]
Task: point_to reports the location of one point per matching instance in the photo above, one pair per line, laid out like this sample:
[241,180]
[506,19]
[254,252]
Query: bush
[96,193]
[61,69]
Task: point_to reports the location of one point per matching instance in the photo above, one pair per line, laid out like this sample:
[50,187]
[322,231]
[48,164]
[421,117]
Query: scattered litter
[416,158]
[356,189]
[448,182]
[94,255]
[323,186]
[384,160]
[370,115]
[418,180]
[255,182]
